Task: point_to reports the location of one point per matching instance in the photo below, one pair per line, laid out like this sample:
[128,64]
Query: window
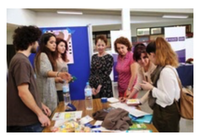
[156,31]
[143,31]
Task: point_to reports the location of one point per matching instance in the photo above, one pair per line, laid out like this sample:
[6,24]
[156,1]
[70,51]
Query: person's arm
[46,110]
[59,80]
[29,101]
[107,70]
[134,71]
[136,87]
[63,75]
[109,66]
[92,77]
[133,92]
[144,98]
[166,89]
[46,69]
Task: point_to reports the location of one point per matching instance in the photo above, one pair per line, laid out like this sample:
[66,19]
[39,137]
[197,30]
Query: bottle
[66,94]
[104,102]
[88,97]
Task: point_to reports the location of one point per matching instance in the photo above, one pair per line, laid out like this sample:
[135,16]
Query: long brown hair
[42,48]
[165,55]
[64,55]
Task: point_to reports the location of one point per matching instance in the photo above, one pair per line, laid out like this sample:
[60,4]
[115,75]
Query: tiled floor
[185,125]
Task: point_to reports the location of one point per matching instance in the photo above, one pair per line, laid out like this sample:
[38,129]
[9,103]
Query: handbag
[185,103]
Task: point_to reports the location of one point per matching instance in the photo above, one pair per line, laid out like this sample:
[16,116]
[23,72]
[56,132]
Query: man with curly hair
[25,112]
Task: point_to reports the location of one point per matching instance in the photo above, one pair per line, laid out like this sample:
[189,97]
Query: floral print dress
[101,68]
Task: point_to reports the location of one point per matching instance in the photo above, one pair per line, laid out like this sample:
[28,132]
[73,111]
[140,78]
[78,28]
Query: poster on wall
[65,34]
[176,37]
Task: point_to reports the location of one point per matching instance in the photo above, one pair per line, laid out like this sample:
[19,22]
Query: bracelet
[129,89]
[57,74]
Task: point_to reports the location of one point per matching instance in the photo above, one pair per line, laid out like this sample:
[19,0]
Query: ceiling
[117,11]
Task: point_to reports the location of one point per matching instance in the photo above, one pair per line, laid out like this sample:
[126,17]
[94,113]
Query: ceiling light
[175,16]
[68,12]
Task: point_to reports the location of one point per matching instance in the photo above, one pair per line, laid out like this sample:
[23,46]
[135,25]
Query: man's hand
[44,120]
[46,110]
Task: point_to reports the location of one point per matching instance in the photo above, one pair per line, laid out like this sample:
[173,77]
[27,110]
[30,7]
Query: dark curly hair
[24,36]
[138,50]
[124,41]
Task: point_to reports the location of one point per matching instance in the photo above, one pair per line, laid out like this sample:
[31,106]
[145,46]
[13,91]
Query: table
[185,73]
[80,105]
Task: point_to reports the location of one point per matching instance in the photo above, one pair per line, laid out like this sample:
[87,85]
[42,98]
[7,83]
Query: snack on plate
[70,126]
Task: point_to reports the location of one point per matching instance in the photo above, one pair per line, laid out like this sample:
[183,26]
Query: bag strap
[180,86]
[179,82]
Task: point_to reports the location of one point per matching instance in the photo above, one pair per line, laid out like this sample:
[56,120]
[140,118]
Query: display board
[81,64]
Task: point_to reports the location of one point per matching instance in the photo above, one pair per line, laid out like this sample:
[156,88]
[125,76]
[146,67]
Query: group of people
[150,68]
[31,100]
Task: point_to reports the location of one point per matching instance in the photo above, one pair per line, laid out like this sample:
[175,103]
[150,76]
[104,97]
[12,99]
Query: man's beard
[33,50]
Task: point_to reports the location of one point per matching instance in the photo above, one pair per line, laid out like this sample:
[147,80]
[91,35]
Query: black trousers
[60,96]
[166,119]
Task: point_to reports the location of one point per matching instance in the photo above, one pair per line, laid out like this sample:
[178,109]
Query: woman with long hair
[45,68]
[60,56]
[165,88]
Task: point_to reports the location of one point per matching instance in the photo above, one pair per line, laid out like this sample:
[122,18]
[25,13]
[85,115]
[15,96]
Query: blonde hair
[164,53]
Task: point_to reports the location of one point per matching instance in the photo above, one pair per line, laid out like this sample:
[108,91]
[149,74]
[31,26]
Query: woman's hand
[146,85]
[98,89]
[66,76]
[127,93]
[94,91]
[59,80]
[122,99]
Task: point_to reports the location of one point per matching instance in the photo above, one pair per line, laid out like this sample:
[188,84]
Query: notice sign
[176,37]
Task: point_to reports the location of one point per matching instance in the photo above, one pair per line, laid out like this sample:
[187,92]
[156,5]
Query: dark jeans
[29,128]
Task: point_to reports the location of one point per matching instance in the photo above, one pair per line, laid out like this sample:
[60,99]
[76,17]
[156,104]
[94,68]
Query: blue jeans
[29,128]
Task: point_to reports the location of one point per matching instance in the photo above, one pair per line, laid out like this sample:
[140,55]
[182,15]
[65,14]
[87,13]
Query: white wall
[98,22]
[21,17]
[9,38]
[56,20]
[189,48]
[167,23]
[142,25]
